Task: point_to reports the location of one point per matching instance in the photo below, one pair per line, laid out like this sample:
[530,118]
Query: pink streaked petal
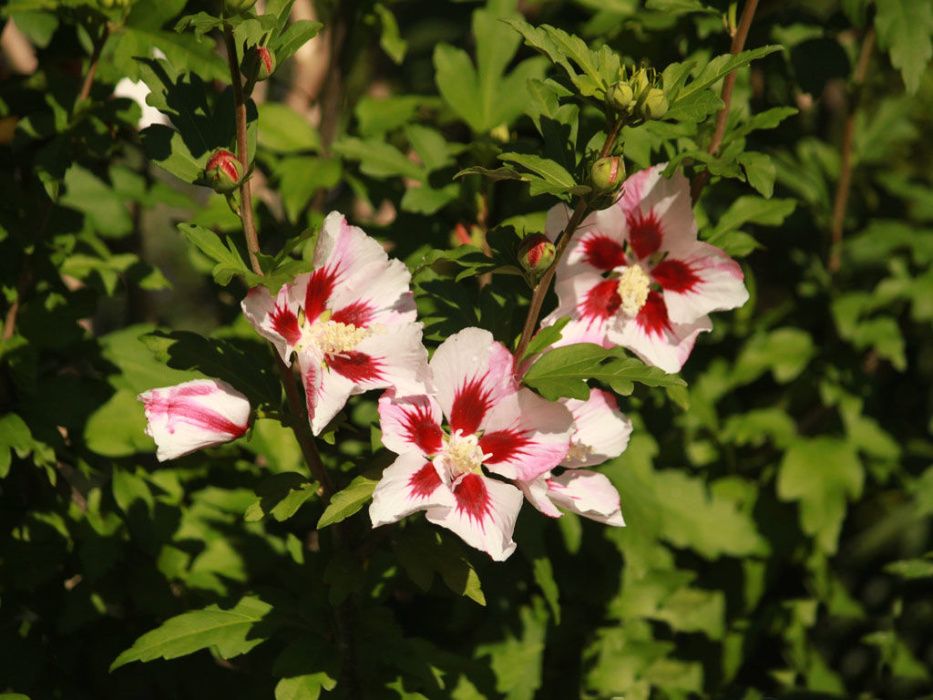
[345,249]
[383,287]
[597,240]
[410,423]
[472,372]
[274,319]
[576,298]
[588,494]
[705,280]
[194,415]
[668,347]
[409,484]
[600,431]
[653,204]
[536,493]
[358,368]
[484,515]
[402,359]
[526,435]
[326,392]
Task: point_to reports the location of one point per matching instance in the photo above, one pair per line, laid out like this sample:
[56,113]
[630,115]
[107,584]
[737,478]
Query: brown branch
[563,240]
[296,405]
[841,199]
[88,83]
[728,85]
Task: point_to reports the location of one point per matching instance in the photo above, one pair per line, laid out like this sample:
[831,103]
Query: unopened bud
[655,104]
[622,96]
[640,82]
[112,4]
[607,173]
[233,7]
[536,253]
[223,171]
[265,62]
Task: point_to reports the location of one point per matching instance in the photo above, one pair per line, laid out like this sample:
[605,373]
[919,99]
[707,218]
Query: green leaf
[283,130]
[280,495]
[14,437]
[231,632]
[118,428]
[348,501]
[759,171]
[548,170]
[821,473]
[719,68]
[166,147]
[912,569]
[106,210]
[905,30]
[390,39]
[378,158]
[546,337]
[679,7]
[753,210]
[229,262]
[590,71]
[293,38]
[564,371]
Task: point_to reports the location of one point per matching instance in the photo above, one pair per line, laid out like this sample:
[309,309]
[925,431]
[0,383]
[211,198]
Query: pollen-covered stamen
[634,285]
[461,454]
[578,453]
[333,337]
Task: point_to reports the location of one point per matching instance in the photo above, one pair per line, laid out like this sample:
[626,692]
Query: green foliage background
[778,540]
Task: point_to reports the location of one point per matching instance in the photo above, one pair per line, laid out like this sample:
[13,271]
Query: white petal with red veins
[194,415]
[345,249]
[376,294]
[658,212]
[588,494]
[274,319]
[471,372]
[601,432]
[704,280]
[666,347]
[525,435]
[484,514]
[399,358]
[411,483]
[410,423]
[326,391]
[591,305]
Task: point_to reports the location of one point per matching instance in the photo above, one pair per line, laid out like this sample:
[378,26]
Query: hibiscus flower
[351,322]
[477,422]
[600,432]
[636,275]
[193,415]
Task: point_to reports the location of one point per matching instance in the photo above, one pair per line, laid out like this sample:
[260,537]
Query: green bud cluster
[113,4]
[638,93]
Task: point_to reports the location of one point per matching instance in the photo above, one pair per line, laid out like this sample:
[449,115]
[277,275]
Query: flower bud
[640,82]
[536,253]
[223,171]
[112,4]
[234,7]
[607,173]
[622,97]
[265,60]
[655,104]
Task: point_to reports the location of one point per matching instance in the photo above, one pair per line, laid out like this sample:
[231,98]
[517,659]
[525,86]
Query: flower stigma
[461,454]
[634,285]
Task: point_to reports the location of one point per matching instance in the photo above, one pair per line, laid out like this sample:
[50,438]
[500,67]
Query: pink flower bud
[536,253]
[607,173]
[194,415]
[266,60]
[223,171]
